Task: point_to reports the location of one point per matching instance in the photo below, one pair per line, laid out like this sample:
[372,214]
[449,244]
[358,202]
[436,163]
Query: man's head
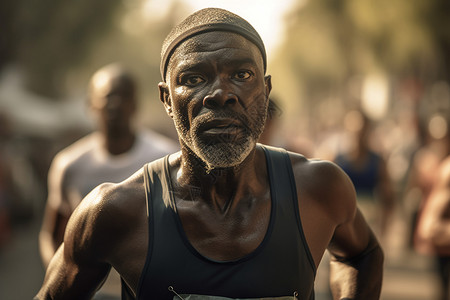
[112,92]
[208,20]
[214,88]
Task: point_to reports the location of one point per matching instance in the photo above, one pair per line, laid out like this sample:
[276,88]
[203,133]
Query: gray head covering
[206,20]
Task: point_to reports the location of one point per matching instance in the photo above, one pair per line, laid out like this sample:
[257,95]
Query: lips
[224,127]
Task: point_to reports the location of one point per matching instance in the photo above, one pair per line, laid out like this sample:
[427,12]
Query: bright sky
[265,15]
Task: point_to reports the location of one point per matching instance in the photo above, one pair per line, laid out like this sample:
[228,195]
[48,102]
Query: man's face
[112,100]
[217,96]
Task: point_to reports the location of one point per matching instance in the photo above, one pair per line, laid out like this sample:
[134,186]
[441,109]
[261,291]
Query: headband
[207,20]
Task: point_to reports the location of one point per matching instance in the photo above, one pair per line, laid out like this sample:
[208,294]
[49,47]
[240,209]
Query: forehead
[231,46]
[104,83]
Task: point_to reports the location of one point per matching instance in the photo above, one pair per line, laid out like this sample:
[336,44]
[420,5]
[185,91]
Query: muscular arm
[356,266]
[80,265]
[332,221]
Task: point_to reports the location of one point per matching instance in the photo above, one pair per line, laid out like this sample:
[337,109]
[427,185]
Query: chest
[225,236]
[230,258]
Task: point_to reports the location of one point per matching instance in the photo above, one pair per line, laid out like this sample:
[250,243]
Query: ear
[164,96]
[268,84]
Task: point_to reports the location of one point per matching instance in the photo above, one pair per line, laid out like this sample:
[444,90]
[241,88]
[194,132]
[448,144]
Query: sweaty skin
[228,218]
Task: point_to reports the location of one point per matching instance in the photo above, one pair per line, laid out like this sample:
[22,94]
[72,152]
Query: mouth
[220,125]
[225,128]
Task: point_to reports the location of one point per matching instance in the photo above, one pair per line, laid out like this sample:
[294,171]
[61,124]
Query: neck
[117,144]
[221,188]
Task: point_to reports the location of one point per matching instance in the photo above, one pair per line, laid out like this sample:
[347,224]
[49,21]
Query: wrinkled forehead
[231,45]
[216,41]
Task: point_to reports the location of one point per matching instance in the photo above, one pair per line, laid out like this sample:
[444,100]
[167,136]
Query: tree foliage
[333,39]
[46,38]
[330,43]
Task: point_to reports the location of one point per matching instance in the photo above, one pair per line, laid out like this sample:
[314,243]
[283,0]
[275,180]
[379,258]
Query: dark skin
[228,216]
[112,103]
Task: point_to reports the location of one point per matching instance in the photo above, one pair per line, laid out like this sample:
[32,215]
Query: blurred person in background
[110,154]
[273,136]
[434,227]
[430,174]
[368,172]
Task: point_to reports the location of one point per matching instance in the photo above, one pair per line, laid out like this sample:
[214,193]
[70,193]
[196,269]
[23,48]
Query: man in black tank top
[226,217]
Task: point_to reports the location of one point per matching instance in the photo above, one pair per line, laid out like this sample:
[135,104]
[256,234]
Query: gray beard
[226,154]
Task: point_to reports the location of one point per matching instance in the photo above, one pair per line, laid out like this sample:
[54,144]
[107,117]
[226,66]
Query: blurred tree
[330,43]
[46,38]
[440,25]
[332,40]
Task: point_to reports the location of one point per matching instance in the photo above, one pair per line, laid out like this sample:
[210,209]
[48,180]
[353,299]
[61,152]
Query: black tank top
[281,265]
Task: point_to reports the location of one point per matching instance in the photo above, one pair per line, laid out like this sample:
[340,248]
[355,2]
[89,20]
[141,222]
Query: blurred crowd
[392,160]
[396,162]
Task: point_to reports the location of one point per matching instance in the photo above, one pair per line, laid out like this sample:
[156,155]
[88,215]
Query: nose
[221,95]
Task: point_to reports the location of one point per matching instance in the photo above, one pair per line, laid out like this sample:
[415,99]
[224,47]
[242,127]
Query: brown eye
[243,75]
[193,80]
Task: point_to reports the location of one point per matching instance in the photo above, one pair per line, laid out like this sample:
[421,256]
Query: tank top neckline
[182,233]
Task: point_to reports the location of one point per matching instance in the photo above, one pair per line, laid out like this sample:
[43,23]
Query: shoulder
[321,172]
[67,161]
[74,153]
[106,216]
[325,184]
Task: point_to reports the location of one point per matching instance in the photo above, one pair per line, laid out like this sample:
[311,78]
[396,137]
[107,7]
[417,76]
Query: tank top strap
[152,181]
[283,187]
[280,172]
[153,172]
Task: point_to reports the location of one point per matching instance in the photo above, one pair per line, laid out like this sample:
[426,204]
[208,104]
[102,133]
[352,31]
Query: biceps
[66,279]
[351,238]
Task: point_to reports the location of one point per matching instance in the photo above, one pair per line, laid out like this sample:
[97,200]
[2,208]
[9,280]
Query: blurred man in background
[110,154]
[432,226]
[368,171]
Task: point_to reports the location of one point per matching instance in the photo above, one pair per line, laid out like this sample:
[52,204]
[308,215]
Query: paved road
[407,275]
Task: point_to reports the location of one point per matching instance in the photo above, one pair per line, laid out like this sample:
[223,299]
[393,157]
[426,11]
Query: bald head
[208,20]
[109,77]
[112,99]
